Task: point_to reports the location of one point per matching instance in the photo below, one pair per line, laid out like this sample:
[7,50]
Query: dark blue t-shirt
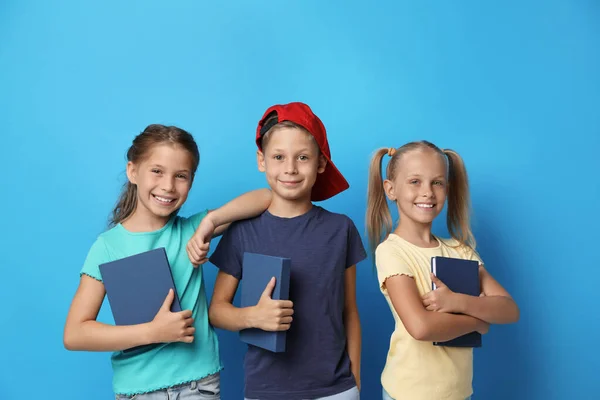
[321,245]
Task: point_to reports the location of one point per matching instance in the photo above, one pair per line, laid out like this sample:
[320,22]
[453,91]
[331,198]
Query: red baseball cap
[331,181]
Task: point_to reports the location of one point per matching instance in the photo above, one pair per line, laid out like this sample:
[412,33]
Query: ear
[131,172]
[388,188]
[260,160]
[322,164]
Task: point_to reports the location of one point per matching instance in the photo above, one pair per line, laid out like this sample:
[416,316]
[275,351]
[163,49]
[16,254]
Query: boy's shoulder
[334,217]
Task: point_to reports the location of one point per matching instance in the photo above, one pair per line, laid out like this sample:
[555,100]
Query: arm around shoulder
[247,205]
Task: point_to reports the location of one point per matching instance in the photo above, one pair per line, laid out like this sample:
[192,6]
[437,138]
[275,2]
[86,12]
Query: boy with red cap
[322,357]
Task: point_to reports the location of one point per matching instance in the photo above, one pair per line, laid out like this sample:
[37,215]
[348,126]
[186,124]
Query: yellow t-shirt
[417,370]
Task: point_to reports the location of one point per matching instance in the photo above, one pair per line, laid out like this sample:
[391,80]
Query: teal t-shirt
[169,364]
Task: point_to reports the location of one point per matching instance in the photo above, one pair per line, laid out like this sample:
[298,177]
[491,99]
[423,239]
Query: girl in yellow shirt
[420,177]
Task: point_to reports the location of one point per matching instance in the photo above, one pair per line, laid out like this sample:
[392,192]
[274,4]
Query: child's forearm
[226,316]
[353,342]
[491,309]
[441,327]
[96,336]
[247,205]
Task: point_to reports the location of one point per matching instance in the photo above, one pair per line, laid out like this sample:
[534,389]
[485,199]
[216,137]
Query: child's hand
[272,315]
[168,326]
[441,299]
[198,246]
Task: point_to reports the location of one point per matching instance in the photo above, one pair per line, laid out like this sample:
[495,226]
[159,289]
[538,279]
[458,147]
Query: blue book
[461,276]
[137,286]
[257,271]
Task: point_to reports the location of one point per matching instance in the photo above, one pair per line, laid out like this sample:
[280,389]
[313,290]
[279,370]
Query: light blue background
[512,86]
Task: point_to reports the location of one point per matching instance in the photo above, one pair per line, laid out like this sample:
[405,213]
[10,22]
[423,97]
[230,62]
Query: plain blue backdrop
[512,86]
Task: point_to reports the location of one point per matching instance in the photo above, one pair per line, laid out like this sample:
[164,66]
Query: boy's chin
[295,197]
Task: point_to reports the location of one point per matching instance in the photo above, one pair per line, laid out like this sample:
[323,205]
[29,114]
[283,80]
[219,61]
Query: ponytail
[459,201]
[378,216]
[125,205]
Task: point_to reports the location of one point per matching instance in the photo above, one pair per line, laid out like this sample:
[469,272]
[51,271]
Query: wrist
[212,217]
[461,303]
[250,319]
[147,333]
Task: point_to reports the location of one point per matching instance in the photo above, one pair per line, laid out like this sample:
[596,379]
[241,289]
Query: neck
[416,233]
[138,222]
[289,208]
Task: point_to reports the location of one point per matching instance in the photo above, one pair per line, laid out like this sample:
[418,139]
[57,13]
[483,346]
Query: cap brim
[329,183]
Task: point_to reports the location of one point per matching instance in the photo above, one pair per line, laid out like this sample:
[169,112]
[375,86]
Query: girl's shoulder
[464,250]
[393,246]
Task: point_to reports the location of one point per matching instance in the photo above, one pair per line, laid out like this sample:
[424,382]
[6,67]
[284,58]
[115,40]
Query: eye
[414,181]
[303,158]
[278,157]
[182,176]
[156,171]
[438,183]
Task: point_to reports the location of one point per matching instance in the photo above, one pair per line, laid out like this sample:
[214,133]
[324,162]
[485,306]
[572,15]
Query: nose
[290,166]
[167,184]
[427,191]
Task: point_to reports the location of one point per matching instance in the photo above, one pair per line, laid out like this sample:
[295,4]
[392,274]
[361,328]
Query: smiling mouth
[163,200]
[425,206]
[290,183]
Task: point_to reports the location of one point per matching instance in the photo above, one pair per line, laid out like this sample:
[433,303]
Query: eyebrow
[160,166]
[420,176]
[304,150]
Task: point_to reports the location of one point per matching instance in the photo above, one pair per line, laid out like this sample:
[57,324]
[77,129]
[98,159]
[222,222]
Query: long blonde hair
[378,217]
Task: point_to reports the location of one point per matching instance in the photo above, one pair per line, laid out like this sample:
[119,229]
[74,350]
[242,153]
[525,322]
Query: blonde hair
[378,216]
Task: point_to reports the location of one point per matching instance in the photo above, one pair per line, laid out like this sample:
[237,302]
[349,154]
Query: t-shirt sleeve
[96,256]
[227,256]
[194,220]
[389,262]
[355,251]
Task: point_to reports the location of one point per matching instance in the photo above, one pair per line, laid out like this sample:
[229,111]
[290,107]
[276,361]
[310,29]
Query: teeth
[425,205]
[163,199]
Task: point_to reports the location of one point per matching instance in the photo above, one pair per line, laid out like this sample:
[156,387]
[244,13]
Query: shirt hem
[91,276]
[162,387]
[300,395]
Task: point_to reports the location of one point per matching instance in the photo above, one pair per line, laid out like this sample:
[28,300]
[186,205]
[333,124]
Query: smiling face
[163,181]
[419,186]
[291,161]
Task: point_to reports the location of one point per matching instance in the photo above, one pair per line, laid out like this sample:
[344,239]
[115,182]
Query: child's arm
[495,306]
[426,325]
[216,221]
[83,332]
[352,323]
[268,314]
[245,206]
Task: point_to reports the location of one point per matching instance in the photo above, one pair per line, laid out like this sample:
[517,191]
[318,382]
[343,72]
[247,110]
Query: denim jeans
[208,388]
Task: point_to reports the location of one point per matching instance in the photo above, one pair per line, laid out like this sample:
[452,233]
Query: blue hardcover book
[258,270]
[137,286]
[461,276]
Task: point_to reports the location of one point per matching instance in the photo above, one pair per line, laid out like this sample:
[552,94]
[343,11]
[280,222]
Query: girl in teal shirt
[161,167]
